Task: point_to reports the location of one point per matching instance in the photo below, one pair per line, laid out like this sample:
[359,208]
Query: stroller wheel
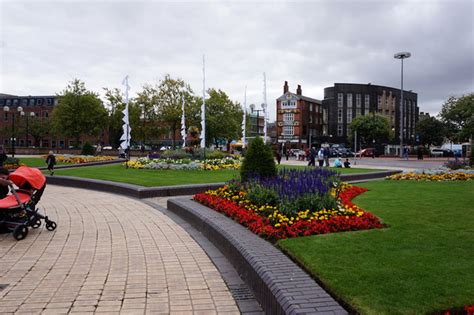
[51,225]
[20,232]
[36,224]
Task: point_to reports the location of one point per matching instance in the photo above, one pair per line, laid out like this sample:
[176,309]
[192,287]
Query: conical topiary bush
[258,161]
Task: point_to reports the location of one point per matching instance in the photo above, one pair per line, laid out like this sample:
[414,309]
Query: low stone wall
[280,286]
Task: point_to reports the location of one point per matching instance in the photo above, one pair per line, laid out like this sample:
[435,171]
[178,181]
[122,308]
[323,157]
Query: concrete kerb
[280,286]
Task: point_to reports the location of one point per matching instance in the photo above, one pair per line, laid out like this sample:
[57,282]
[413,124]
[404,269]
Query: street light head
[402,55]
[22,113]
[19,109]
[6,108]
[252,107]
[32,114]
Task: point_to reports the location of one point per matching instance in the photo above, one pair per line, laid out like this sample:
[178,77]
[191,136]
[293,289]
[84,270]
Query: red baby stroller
[18,211]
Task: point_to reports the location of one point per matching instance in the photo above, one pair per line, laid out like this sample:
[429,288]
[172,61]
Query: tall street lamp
[31,114]
[13,140]
[401,55]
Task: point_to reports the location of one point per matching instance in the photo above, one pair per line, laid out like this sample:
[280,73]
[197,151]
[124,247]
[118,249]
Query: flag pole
[244,120]
[264,108]
[203,108]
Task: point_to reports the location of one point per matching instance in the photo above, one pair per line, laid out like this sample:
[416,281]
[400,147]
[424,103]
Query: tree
[458,114]
[258,161]
[115,123]
[370,128]
[79,112]
[431,131]
[39,128]
[223,117]
[170,93]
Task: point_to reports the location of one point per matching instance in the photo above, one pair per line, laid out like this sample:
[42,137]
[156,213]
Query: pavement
[109,255]
[386,163]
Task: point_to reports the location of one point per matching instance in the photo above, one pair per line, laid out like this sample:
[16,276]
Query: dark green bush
[258,161]
[471,158]
[176,154]
[260,196]
[215,154]
[87,149]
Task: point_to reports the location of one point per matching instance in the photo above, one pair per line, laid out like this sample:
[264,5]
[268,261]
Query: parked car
[438,152]
[344,152]
[370,152]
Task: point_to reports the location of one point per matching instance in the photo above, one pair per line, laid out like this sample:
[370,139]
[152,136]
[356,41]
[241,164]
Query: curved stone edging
[64,166]
[280,286]
[166,191]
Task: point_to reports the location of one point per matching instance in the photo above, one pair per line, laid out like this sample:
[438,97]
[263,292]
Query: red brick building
[301,120]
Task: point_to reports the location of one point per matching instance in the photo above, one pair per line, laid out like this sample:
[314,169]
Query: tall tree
[371,128]
[79,112]
[39,128]
[458,114]
[223,117]
[431,131]
[170,92]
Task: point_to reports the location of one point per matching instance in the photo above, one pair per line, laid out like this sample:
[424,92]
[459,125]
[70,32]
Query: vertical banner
[125,139]
[203,107]
[264,107]
[183,123]
[244,119]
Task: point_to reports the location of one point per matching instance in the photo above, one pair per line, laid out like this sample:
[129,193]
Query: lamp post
[401,55]
[31,114]
[13,140]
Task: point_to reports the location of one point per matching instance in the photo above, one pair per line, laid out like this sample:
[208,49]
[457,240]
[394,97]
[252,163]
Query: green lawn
[150,178]
[35,162]
[424,262]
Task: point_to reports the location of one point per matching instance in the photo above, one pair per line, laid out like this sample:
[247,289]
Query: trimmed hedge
[258,161]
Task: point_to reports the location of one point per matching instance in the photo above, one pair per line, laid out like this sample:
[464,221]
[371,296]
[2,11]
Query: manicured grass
[338,170]
[35,162]
[149,178]
[424,261]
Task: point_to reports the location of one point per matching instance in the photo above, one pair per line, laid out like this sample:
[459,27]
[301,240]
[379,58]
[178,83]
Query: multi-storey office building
[346,101]
[301,120]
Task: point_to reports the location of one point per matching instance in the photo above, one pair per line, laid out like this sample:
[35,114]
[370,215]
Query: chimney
[285,87]
[298,90]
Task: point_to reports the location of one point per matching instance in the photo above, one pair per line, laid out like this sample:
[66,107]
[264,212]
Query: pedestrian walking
[312,156]
[321,157]
[3,156]
[51,161]
[420,152]
[278,156]
[326,156]
[98,150]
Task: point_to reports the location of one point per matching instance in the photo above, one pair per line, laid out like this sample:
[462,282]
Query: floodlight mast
[401,55]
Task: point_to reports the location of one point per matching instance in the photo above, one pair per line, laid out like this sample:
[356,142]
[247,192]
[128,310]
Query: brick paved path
[109,254]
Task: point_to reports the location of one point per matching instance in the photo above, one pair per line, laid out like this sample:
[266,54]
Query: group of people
[323,158]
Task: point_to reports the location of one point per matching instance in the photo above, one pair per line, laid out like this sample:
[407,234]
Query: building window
[304,130]
[288,117]
[340,99]
[310,119]
[49,101]
[349,100]
[24,102]
[310,107]
[357,112]
[39,101]
[339,115]
[15,102]
[366,103]
[2,102]
[9,102]
[288,104]
[379,102]
[288,130]
[45,114]
[32,102]
[358,100]
[339,130]
[349,114]
[56,102]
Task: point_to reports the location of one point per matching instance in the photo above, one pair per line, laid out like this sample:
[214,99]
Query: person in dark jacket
[51,161]
[4,182]
[3,156]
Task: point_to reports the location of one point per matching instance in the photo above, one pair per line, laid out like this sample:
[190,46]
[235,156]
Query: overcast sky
[45,44]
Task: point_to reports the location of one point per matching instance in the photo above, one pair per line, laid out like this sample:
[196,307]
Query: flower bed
[328,205]
[438,175]
[209,164]
[78,159]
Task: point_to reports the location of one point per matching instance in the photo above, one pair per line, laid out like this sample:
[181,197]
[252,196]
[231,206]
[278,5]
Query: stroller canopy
[28,175]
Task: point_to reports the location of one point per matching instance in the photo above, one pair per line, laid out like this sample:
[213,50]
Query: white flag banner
[125,138]
[264,107]
[183,123]
[203,107]
[244,119]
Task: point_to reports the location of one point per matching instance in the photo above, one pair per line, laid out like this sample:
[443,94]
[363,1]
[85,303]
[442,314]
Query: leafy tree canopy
[370,128]
[431,131]
[458,114]
[223,117]
[79,112]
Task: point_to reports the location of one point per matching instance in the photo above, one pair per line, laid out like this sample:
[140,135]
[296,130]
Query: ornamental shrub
[175,154]
[471,158]
[87,149]
[260,196]
[258,161]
